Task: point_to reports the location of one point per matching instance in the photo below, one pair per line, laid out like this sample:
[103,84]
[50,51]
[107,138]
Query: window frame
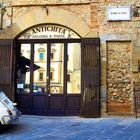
[49,42]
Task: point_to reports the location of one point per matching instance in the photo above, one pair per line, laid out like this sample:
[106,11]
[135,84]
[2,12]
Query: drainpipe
[3,10]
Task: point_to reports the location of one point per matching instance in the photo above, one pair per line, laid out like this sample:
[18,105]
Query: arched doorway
[49,71]
[43,98]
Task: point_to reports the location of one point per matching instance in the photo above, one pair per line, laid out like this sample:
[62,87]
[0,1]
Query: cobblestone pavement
[72,128]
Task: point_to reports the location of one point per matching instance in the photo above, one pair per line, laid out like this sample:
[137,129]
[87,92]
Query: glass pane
[23,69]
[56,68]
[40,68]
[74,68]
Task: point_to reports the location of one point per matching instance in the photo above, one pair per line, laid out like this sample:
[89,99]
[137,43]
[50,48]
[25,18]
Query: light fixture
[47,9]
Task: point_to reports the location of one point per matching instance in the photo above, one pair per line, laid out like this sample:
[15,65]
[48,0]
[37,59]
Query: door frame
[91,109]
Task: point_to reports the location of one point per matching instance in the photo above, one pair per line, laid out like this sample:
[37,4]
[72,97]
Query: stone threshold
[125,114]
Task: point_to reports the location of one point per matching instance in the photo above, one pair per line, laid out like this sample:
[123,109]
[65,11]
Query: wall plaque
[118,13]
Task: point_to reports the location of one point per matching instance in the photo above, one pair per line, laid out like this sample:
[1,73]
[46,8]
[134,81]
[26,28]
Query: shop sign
[49,32]
[118,13]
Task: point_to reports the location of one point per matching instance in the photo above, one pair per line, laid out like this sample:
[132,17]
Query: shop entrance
[49,77]
[57,72]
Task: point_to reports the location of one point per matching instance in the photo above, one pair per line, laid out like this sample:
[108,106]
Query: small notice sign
[118,13]
[20,86]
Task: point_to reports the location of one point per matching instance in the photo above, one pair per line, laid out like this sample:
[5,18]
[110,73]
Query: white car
[8,111]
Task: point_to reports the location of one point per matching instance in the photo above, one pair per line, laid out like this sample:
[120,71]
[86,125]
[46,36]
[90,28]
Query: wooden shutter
[90,101]
[6,62]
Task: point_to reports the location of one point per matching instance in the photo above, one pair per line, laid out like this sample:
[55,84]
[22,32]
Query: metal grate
[136,98]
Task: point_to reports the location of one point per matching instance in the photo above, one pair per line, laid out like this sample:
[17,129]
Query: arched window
[53,53]
[41,54]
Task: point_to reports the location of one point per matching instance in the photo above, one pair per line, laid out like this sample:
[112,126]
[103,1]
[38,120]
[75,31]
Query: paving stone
[72,128]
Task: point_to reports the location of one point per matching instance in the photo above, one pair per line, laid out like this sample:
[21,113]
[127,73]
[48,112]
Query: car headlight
[14,104]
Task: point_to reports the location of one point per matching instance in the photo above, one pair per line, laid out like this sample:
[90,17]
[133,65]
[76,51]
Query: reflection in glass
[40,68]
[56,68]
[23,69]
[74,68]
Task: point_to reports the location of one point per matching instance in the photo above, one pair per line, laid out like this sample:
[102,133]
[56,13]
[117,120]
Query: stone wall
[119,76]
[48,1]
[119,63]
[16,9]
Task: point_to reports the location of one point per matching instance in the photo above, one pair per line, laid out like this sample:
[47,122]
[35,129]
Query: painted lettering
[54,28]
[50,31]
[63,31]
[48,28]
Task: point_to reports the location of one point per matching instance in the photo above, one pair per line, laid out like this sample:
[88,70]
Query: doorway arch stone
[53,16]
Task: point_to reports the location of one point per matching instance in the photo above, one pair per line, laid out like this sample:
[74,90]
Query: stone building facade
[119,40]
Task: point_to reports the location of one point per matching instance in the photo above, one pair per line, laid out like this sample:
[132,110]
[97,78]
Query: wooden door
[90,101]
[6,69]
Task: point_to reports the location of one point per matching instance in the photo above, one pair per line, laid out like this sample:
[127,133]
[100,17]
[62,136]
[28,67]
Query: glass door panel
[40,68]
[74,68]
[56,68]
[44,64]
[23,69]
